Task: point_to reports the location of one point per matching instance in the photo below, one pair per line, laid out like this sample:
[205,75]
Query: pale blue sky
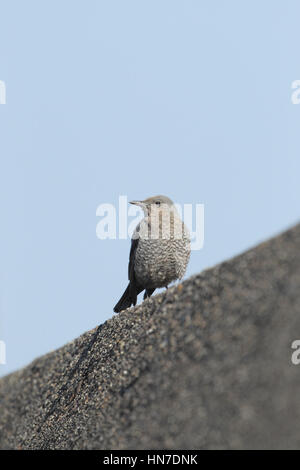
[191,99]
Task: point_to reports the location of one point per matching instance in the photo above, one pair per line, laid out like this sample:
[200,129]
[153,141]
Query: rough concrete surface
[205,365]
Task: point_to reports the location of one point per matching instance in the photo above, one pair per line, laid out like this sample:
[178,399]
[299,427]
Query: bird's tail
[125,301]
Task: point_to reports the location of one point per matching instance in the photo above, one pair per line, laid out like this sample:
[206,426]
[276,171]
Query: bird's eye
[157,203]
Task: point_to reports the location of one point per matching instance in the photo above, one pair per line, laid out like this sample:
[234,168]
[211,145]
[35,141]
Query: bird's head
[155,202]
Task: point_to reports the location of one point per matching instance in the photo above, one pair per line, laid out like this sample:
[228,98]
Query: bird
[160,250]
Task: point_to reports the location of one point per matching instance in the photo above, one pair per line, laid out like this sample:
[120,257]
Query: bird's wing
[134,245]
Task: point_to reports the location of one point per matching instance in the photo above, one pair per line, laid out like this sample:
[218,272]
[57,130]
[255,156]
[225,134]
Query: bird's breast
[159,262]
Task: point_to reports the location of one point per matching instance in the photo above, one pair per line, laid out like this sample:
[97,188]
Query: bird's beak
[141,204]
[136,203]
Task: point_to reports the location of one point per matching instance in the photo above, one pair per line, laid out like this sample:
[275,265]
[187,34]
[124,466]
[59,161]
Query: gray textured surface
[209,368]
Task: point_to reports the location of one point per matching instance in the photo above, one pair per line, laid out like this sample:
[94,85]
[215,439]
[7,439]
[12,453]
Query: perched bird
[160,250]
